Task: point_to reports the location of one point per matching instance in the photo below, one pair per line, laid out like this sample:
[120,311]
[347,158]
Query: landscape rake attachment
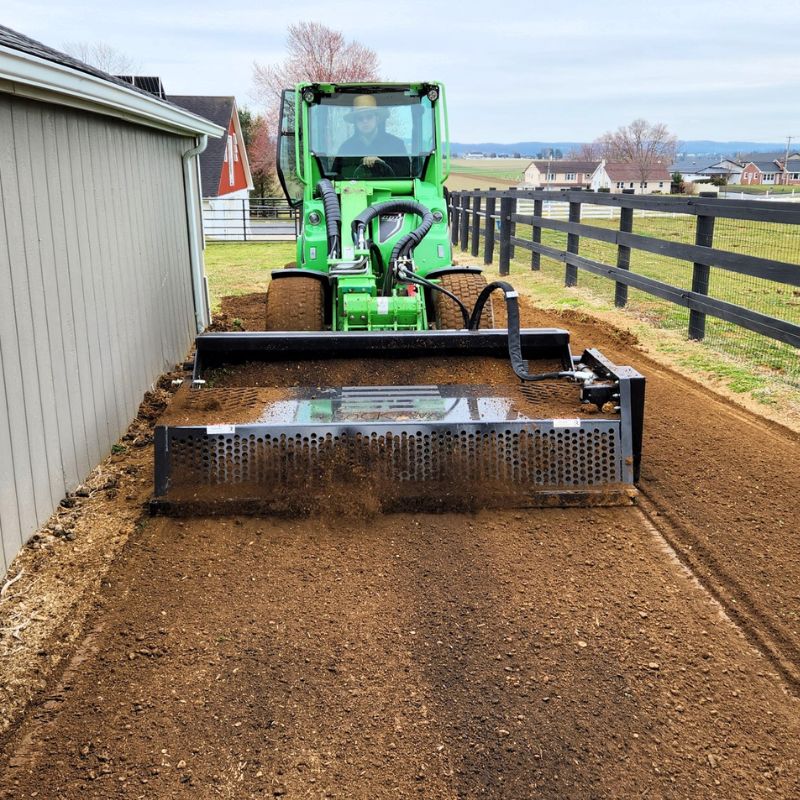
[573,438]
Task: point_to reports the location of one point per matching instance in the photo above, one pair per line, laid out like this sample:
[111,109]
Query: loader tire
[295,304]
[466,286]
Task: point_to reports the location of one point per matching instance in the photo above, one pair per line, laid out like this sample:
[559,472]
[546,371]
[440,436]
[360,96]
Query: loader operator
[382,155]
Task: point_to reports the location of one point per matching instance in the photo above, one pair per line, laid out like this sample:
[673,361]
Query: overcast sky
[514,70]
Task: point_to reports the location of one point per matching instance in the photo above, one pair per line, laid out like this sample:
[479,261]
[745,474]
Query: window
[631,185]
[570,176]
[550,176]
[661,184]
[235,149]
[620,184]
[229,159]
[398,127]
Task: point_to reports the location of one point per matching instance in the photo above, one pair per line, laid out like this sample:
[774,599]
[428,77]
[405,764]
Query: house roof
[767,166]
[219,110]
[42,73]
[687,166]
[558,166]
[619,171]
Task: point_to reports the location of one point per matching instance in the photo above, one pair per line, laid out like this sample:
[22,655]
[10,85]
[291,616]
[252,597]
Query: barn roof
[219,110]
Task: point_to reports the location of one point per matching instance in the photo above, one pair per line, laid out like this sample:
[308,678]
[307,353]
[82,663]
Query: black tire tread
[467,286]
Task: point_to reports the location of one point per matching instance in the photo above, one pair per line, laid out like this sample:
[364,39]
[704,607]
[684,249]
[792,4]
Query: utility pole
[786,161]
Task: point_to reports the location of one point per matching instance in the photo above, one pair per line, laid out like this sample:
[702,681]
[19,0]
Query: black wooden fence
[492,216]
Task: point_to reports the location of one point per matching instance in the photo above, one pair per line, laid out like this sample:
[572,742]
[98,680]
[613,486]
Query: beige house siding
[95,294]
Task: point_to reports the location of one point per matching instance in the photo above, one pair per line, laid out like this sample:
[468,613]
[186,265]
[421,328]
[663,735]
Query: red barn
[224,169]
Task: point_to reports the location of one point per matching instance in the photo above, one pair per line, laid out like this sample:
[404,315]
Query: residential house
[102,287]
[616,176]
[790,176]
[761,172]
[691,169]
[727,168]
[559,174]
[224,168]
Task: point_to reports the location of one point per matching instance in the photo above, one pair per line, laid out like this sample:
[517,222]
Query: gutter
[26,75]
[190,183]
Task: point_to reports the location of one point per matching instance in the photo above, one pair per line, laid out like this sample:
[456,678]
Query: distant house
[691,169]
[761,173]
[224,168]
[727,168]
[616,176]
[790,175]
[559,174]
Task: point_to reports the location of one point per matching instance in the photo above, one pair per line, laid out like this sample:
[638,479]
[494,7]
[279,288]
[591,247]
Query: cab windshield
[379,135]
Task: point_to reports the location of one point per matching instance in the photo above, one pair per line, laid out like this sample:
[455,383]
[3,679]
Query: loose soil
[554,653]
[499,655]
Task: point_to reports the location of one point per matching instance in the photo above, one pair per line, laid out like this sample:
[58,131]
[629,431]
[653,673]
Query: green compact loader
[374,283]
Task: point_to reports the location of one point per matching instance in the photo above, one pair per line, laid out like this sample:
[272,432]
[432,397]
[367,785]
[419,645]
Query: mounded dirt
[553,653]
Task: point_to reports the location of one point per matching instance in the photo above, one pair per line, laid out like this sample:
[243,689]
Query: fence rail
[249,219]
[495,215]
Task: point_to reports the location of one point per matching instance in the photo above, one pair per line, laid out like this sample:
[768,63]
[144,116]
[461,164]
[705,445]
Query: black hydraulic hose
[333,215]
[412,277]
[518,363]
[411,239]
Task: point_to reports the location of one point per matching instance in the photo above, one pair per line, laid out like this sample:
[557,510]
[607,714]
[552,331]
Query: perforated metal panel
[536,455]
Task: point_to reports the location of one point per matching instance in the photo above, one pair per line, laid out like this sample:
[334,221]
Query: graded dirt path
[549,654]
[504,654]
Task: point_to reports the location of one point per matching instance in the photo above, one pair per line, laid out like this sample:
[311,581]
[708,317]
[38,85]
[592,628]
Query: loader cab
[357,132]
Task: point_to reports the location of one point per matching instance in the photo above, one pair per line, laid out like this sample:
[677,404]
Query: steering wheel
[380,169]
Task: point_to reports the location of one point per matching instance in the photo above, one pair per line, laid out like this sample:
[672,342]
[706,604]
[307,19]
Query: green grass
[243,267]
[760,189]
[510,169]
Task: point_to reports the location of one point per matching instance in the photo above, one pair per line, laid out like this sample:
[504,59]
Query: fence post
[455,200]
[464,221]
[536,233]
[704,236]
[573,242]
[506,207]
[476,225]
[488,240]
[623,252]
[244,219]
[512,250]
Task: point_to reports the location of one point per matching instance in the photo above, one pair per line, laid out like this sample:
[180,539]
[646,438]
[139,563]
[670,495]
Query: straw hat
[363,104]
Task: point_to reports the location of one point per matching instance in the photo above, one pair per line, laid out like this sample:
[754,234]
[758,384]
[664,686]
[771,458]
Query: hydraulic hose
[518,363]
[411,277]
[333,215]
[411,239]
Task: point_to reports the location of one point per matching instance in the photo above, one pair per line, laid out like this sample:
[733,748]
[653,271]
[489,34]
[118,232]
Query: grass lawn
[760,189]
[243,267]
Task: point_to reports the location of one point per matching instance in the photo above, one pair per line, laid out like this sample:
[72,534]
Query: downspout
[195,235]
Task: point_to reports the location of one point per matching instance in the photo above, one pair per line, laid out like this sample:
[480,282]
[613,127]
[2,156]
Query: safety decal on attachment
[211,429]
[566,423]
[383,305]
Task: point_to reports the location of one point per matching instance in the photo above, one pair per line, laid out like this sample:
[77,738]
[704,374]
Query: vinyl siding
[95,295]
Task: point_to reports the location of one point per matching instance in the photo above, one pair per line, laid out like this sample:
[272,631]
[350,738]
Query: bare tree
[102,56]
[585,152]
[640,143]
[314,53]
